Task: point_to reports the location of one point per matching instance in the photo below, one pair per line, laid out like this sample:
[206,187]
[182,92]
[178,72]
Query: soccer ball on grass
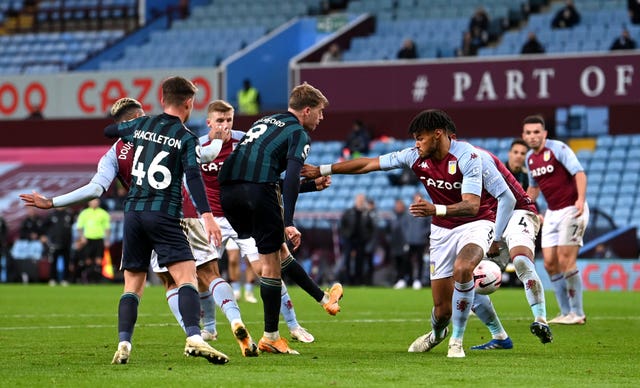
[487,277]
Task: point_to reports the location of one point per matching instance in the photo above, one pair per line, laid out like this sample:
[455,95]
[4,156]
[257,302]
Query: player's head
[534,132]
[126,109]
[429,128]
[179,92]
[308,104]
[517,153]
[220,116]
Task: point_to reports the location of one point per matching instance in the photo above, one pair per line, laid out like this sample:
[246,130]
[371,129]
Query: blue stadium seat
[505,143]
[349,180]
[621,216]
[604,141]
[595,178]
[597,120]
[635,140]
[380,179]
[606,203]
[598,165]
[304,223]
[387,204]
[407,192]
[626,201]
[492,144]
[601,153]
[616,166]
[364,180]
[618,153]
[592,193]
[631,177]
[628,188]
[621,141]
[634,153]
[584,156]
[341,192]
[376,191]
[608,189]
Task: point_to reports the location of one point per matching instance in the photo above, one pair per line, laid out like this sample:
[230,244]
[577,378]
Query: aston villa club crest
[547,156]
[453,167]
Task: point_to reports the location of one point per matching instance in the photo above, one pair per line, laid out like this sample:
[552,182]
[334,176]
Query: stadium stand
[51,36]
[601,23]
[437,27]
[226,28]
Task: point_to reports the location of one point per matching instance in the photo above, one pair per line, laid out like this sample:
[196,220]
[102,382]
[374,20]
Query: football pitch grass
[66,336]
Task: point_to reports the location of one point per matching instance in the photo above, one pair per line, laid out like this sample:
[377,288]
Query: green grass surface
[66,336]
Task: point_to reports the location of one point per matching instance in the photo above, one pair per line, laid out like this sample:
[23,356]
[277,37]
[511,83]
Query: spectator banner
[90,94]
[538,80]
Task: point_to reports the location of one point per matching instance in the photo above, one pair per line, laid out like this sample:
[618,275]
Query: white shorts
[522,229]
[247,246]
[445,244]
[231,245]
[562,228]
[203,251]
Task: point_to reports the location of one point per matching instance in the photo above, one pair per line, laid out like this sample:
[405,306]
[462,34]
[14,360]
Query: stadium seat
[626,201]
[592,193]
[608,189]
[632,165]
[598,165]
[618,153]
[631,177]
[601,153]
[606,203]
[627,188]
[634,153]
[597,118]
[616,166]
[595,178]
[604,141]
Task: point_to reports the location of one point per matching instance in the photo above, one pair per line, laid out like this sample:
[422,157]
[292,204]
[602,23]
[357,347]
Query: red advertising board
[608,79]
[90,94]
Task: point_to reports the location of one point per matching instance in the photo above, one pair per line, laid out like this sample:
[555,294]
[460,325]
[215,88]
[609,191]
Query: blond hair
[305,95]
[219,106]
[125,109]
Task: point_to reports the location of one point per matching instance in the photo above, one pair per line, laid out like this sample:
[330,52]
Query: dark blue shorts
[255,210]
[145,231]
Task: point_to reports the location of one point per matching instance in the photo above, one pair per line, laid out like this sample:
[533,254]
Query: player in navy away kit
[164,151]
[117,162]
[462,224]
[251,201]
[220,116]
[555,171]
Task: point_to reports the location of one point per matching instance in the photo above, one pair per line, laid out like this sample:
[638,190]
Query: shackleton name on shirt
[156,138]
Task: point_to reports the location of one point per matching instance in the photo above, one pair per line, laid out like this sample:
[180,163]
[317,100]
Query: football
[487,277]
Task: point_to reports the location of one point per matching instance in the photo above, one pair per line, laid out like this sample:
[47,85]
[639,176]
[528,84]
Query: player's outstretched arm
[36,200]
[354,166]
[83,194]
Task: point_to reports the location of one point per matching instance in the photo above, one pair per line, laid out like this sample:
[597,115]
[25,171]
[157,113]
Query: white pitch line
[324,322]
